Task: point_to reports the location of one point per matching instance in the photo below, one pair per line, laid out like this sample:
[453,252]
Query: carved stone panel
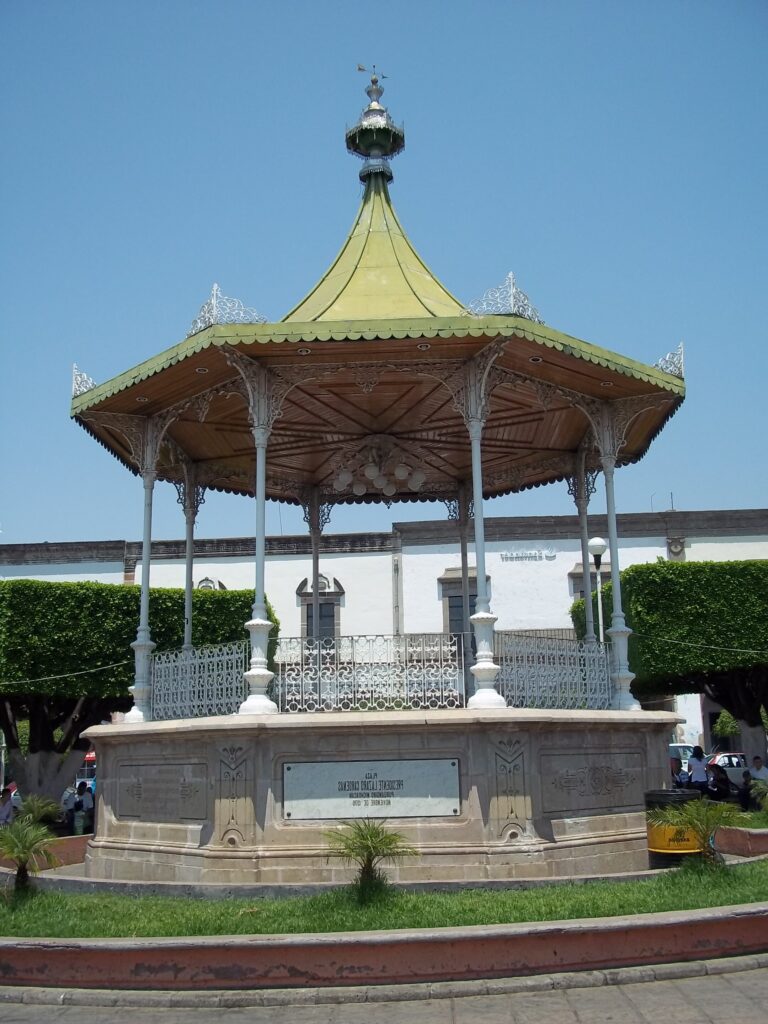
[573,782]
[234,806]
[510,787]
[164,791]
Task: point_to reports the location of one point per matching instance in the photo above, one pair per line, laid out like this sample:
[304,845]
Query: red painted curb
[360,958]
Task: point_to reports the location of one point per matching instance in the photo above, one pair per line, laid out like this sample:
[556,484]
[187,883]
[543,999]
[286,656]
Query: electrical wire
[66,675]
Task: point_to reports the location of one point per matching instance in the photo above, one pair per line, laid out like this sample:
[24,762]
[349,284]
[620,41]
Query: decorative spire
[375,138]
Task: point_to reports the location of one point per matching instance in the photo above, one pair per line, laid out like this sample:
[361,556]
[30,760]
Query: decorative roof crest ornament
[375,138]
[505,300]
[221,309]
[673,362]
[81,382]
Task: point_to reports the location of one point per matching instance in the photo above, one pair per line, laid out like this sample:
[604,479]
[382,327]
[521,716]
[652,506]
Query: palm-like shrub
[759,791]
[26,843]
[39,809]
[367,843]
[702,817]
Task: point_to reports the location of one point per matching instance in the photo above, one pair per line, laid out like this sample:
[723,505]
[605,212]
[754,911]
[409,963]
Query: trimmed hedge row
[690,618]
[52,629]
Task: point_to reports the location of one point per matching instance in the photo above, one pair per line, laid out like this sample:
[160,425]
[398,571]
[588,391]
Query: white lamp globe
[359,488]
[597,546]
[402,471]
[389,490]
[380,481]
[371,470]
[345,478]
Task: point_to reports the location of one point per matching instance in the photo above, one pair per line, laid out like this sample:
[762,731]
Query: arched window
[331,594]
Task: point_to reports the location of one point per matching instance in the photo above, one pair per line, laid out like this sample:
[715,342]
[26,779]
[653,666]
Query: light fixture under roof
[142,398]
[201,369]
[535,359]
[423,346]
[303,351]
[606,383]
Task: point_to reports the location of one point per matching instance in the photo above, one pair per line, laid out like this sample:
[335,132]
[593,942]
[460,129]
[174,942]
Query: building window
[578,585]
[450,595]
[456,612]
[331,594]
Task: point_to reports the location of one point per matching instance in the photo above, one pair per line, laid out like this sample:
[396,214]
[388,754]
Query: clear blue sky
[613,155]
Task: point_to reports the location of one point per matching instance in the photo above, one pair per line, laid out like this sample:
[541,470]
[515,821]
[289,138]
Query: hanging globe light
[359,488]
[402,471]
[389,489]
[345,478]
[371,470]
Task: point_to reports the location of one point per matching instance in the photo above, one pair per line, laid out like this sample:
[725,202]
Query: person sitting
[758,770]
[746,799]
[679,775]
[719,786]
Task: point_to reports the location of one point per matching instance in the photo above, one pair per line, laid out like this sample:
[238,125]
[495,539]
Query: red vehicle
[734,763]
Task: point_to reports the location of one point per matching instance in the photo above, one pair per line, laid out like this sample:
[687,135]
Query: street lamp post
[597,547]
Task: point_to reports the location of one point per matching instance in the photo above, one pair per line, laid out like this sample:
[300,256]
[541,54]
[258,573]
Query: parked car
[734,763]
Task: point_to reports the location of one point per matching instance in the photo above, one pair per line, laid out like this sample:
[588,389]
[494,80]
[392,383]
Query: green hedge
[691,618]
[51,629]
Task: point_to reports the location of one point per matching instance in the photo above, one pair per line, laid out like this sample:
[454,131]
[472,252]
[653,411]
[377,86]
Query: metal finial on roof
[221,309]
[375,138]
[673,362]
[81,382]
[505,300]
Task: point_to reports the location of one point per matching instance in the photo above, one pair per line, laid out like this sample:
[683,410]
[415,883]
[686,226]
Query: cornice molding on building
[63,552]
[669,524]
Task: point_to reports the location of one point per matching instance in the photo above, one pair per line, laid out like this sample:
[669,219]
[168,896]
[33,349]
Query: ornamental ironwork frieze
[594,780]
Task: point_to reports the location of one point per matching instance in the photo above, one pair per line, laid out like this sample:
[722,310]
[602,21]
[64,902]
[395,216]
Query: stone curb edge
[228,999]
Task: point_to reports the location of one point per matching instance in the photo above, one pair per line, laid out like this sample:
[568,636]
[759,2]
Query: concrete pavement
[698,992]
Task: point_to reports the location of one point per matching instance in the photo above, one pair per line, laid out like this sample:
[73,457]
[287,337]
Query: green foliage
[26,843]
[759,790]
[51,629]
[367,843]
[716,611]
[702,817]
[698,627]
[70,915]
[726,726]
[38,809]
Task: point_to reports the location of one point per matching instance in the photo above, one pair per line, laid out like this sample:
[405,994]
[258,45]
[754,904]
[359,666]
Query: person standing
[6,807]
[697,769]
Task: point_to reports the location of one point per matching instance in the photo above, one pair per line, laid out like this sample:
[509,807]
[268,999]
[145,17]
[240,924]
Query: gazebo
[379,385]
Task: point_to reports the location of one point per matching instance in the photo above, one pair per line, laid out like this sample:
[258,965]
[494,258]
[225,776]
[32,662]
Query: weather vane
[373,72]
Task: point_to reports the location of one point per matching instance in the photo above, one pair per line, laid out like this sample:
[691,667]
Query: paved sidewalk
[700,992]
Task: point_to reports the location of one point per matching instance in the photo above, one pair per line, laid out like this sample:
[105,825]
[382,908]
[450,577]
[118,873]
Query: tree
[698,627]
[66,663]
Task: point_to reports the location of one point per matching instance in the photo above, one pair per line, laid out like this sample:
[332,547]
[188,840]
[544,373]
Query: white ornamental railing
[371,672]
[546,672]
[380,672]
[200,682]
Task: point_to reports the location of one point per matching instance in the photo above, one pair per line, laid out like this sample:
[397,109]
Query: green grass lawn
[58,915]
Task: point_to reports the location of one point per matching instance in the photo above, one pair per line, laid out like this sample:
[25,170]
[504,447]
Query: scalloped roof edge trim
[372,330]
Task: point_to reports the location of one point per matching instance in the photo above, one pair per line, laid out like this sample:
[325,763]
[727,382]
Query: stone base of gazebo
[499,794]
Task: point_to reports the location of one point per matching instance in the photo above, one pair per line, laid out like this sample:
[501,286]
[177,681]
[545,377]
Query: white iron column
[476,387]
[610,421]
[581,486]
[143,645]
[619,631]
[264,392]
[466,644]
[258,675]
[190,496]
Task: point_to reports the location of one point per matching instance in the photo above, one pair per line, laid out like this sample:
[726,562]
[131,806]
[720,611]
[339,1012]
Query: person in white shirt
[6,807]
[697,769]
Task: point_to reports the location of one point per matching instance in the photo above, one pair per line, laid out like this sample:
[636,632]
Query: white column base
[258,675]
[621,677]
[485,670]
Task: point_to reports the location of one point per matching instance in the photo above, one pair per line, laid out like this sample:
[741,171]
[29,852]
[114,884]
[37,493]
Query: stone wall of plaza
[482,795]
[400,581]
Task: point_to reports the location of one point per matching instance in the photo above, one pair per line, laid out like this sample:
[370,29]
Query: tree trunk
[45,772]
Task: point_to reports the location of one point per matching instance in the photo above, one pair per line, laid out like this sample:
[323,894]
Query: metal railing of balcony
[549,672]
[381,672]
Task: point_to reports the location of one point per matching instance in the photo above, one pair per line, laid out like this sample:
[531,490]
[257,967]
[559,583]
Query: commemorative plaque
[420,788]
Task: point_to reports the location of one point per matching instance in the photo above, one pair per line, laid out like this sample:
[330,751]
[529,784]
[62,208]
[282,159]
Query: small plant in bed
[367,843]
